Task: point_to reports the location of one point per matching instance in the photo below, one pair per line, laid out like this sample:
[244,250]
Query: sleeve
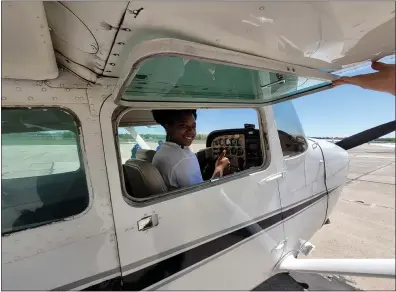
[187,172]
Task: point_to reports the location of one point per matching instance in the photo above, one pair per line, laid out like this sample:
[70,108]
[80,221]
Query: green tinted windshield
[167,78]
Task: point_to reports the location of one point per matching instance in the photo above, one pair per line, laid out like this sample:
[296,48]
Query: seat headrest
[146,155]
[143,179]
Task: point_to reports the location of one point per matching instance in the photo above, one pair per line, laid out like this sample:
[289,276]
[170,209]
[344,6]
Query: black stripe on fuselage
[157,272]
[168,267]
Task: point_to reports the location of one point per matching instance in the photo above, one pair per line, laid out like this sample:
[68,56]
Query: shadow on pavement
[306,282]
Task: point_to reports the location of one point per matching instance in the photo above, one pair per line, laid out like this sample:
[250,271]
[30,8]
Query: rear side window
[290,130]
[42,171]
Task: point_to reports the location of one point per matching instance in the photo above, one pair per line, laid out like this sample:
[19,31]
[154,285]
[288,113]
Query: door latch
[276,176]
[147,222]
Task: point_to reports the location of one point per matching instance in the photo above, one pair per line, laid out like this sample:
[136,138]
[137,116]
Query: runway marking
[368,204]
[377,182]
[357,178]
[373,156]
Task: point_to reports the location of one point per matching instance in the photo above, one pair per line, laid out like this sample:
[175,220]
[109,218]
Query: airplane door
[194,238]
[302,190]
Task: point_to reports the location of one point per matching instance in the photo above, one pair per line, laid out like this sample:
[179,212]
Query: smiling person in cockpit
[177,164]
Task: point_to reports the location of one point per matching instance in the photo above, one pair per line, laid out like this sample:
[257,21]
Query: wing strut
[381,268]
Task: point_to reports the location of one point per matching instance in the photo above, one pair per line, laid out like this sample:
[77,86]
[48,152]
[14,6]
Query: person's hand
[222,163]
[383,80]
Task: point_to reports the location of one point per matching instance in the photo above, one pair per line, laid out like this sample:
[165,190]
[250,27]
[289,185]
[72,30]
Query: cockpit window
[152,163]
[165,78]
[151,137]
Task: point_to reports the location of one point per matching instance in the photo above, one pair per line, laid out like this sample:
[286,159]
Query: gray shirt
[179,167]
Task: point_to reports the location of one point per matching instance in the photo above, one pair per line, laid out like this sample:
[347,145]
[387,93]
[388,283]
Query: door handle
[147,222]
[272,177]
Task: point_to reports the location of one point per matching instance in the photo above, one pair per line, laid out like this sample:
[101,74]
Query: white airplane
[79,213]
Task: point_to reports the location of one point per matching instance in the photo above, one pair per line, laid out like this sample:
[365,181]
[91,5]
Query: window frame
[139,203]
[82,159]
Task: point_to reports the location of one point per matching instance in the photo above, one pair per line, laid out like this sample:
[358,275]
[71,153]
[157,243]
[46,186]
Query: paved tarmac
[362,225]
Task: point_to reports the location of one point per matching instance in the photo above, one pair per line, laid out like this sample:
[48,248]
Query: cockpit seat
[146,155]
[142,179]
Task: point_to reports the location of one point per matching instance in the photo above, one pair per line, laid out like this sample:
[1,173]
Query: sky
[337,112]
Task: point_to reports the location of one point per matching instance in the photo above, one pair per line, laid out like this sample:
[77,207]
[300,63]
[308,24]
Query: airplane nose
[336,162]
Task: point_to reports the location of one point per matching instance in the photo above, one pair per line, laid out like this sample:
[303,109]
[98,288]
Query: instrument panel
[243,147]
[234,145]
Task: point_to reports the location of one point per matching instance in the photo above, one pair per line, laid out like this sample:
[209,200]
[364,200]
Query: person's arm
[221,164]
[383,80]
[187,172]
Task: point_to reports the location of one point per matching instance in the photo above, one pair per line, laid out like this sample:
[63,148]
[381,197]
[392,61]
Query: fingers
[338,82]
[364,80]
[342,81]
[222,154]
[361,80]
[383,80]
[378,66]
